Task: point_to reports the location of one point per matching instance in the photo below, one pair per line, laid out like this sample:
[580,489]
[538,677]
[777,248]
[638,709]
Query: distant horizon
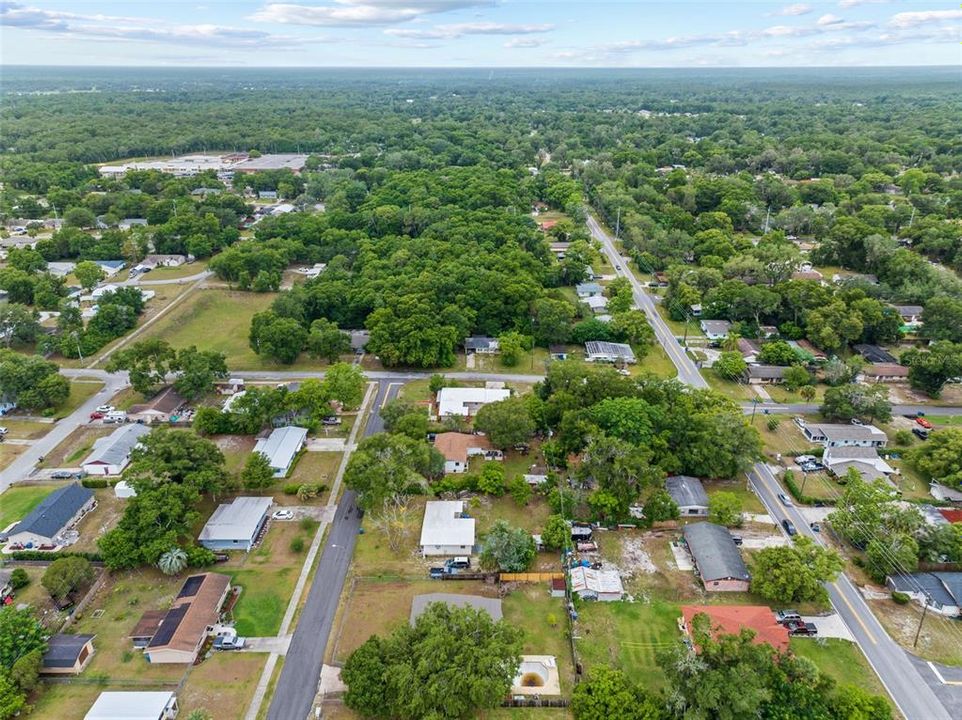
[567,68]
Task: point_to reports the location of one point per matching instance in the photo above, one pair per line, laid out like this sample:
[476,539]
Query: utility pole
[754,407]
[768,215]
[618,225]
[925,608]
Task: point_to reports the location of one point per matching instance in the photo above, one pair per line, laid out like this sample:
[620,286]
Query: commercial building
[716,557]
[281,447]
[446,529]
[277,161]
[111,454]
[236,525]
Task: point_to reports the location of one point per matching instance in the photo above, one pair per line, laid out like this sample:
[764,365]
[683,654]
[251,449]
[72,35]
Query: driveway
[830,626]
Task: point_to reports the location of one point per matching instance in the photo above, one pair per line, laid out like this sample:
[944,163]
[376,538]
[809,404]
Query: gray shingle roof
[114,449]
[63,650]
[715,553]
[944,588]
[55,511]
[686,490]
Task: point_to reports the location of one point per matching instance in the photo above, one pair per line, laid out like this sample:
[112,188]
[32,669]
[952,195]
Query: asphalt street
[297,684]
[911,693]
[687,370]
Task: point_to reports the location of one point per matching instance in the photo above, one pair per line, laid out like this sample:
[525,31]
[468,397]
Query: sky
[480,33]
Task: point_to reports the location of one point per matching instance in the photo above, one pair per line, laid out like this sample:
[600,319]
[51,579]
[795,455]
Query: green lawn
[657,361]
[545,630]
[80,392]
[19,500]
[945,419]
[175,273]
[841,660]
[750,501]
[735,390]
[627,636]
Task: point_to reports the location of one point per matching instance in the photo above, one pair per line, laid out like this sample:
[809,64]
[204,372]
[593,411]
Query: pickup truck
[229,642]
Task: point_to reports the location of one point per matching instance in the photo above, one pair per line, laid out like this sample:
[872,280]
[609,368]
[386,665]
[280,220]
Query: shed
[717,559]
[236,525]
[67,654]
[115,705]
[59,511]
[124,490]
[420,603]
[689,495]
[557,586]
[111,454]
[602,585]
[281,447]
[446,530]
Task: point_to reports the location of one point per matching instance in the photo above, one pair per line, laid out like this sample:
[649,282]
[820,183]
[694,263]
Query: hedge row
[44,555]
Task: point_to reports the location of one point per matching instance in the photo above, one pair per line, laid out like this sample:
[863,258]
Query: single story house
[558,352]
[717,559]
[466,401]
[236,525]
[481,344]
[874,353]
[808,351]
[610,352]
[446,530]
[67,654]
[660,280]
[588,290]
[128,223]
[165,260]
[749,349]
[559,248]
[945,493]
[597,303]
[233,385]
[315,270]
[281,447]
[602,585]
[59,511]
[911,315]
[866,460]
[764,374]
[142,705]
[689,495]
[941,591]
[99,292]
[953,515]
[536,475]
[810,274]
[5,587]
[111,267]
[111,454]
[885,373]
[159,409]
[60,269]
[420,603]
[267,195]
[184,627]
[715,329]
[839,435]
[731,619]
[458,448]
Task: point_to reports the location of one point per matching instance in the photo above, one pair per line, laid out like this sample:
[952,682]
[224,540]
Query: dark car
[789,527]
[815,527]
[803,629]
[61,474]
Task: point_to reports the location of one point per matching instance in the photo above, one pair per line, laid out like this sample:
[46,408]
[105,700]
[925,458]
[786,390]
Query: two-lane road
[908,689]
[687,370]
[297,684]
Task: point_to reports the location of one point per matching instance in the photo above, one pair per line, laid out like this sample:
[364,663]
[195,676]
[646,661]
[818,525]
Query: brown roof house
[158,409]
[179,636]
[885,373]
[457,448]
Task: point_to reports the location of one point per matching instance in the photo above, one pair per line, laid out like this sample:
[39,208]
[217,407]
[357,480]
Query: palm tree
[173,561]
[730,343]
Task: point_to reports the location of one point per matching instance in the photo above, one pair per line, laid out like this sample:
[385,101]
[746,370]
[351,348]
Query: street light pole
[925,608]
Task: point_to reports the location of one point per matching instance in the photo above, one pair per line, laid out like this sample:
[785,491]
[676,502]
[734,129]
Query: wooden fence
[532,577]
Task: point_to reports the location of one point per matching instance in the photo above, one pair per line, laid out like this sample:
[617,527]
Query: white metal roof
[130,706]
[281,446]
[236,520]
[453,401]
[597,581]
[442,526]
[114,449]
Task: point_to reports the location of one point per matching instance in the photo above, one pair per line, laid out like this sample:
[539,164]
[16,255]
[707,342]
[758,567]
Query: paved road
[687,370]
[914,698]
[139,280]
[809,408]
[23,464]
[297,685]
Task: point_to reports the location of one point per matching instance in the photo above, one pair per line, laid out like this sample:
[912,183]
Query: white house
[446,530]
[115,705]
[597,303]
[467,401]
[236,525]
[838,435]
[866,460]
[588,290]
[715,329]
[601,351]
[111,454]
[481,344]
[281,446]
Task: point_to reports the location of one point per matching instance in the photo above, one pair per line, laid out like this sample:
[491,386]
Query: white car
[282,515]
[3,431]
[105,408]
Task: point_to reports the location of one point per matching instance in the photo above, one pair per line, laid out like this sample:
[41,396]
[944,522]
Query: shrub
[41,555]
[900,598]
[306,524]
[297,544]
[19,579]
[95,483]
[903,437]
[773,424]
[291,488]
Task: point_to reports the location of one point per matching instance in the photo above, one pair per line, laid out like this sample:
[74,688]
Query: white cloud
[788,31]
[524,42]
[449,32]
[924,17]
[855,3]
[828,19]
[360,13]
[107,27]
[794,10]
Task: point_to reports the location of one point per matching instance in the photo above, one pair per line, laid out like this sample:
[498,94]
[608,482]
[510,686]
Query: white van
[115,416]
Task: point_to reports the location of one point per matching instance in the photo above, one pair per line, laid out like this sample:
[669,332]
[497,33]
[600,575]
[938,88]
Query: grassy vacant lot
[735,390]
[750,501]
[627,636]
[19,500]
[315,468]
[530,362]
[841,660]
[57,701]
[76,446]
[781,394]
[103,518]
[8,452]
[113,614]
[940,640]
[80,392]
[542,617]
[223,685]
[174,273]
[267,576]
[656,361]
[26,429]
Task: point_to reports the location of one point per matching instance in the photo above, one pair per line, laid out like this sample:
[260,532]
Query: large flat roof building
[275,161]
[236,525]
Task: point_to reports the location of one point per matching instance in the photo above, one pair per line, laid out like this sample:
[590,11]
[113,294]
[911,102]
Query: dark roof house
[55,513]
[874,353]
[717,557]
[688,493]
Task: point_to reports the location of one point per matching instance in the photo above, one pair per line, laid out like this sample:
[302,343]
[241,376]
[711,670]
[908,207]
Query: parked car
[282,515]
[3,431]
[789,527]
[331,420]
[804,629]
[737,539]
[784,616]
[458,563]
[924,423]
[921,433]
[96,415]
[229,642]
[105,409]
[785,500]
[815,527]
[802,459]
[62,474]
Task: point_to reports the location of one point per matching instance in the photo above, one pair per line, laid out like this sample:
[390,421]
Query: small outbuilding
[134,706]
[601,585]
[236,525]
[67,654]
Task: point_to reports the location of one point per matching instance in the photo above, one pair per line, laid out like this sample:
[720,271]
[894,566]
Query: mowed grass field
[840,660]
[19,500]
